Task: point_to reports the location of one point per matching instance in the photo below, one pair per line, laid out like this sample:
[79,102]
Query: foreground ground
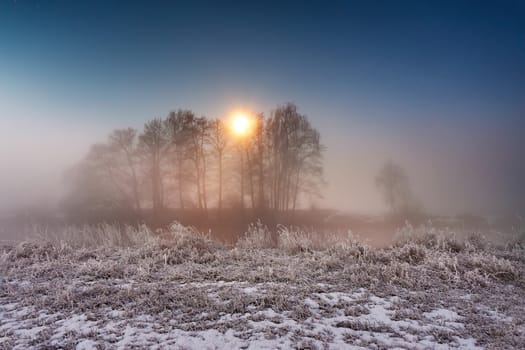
[121,290]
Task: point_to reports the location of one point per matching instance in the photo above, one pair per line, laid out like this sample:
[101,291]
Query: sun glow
[241,124]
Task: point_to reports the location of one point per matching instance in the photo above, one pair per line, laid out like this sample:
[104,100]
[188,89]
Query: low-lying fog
[453,167]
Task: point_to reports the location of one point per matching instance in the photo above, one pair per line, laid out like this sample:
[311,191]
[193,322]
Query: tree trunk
[155,186]
[250,178]
[242,180]
[203,180]
[198,182]
[261,177]
[220,182]
[179,175]
[296,189]
[135,184]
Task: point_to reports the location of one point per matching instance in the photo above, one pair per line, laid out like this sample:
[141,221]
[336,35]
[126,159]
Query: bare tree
[249,169]
[91,185]
[259,141]
[153,145]
[394,184]
[253,157]
[177,124]
[241,147]
[279,162]
[295,156]
[241,158]
[194,135]
[114,165]
[123,144]
[202,134]
[219,141]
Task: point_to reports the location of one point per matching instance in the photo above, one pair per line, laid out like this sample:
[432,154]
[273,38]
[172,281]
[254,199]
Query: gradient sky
[437,86]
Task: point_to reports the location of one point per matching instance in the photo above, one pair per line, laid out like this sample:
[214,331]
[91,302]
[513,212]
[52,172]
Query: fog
[454,167]
[34,157]
[429,89]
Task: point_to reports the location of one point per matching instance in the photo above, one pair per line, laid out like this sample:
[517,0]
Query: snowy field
[122,290]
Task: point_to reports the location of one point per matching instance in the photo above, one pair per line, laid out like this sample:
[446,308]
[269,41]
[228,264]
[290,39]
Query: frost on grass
[255,327]
[177,289]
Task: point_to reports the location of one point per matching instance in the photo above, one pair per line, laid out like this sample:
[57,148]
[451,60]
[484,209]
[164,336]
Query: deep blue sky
[437,85]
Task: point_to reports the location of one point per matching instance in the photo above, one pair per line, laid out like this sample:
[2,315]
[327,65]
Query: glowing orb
[240,125]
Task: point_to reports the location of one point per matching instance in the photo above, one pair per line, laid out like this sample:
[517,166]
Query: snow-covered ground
[335,320]
[192,294]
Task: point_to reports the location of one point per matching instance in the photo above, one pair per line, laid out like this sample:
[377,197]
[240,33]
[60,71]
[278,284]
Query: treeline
[190,162]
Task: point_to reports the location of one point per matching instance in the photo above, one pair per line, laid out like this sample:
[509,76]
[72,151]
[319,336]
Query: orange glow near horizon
[241,124]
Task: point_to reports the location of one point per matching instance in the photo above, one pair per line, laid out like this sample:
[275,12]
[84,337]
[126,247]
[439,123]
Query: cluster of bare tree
[185,161]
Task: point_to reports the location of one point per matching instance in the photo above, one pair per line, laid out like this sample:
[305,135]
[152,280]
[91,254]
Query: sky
[437,86]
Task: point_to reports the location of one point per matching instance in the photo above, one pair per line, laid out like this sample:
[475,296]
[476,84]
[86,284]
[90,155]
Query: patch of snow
[250,290]
[442,314]
[466,297]
[29,333]
[76,323]
[311,303]
[116,313]
[86,345]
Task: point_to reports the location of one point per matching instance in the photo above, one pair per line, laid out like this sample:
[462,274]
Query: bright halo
[240,125]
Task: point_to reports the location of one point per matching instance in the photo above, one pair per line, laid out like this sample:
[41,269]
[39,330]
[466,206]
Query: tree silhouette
[279,163]
[123,144]
[295,156]
[394,184]
[153,147]
[219,141]
[178,124]
[109,174]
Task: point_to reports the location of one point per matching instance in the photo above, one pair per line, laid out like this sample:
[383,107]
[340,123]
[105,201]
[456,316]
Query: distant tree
[279,162]
[110,172]
[219,141]
[202,136]
[196,131]
[154,143]
[177,124]
[394,184]
[90,190]
[252,161]
[241,146]
[123,145]
[259,157]
[295,157]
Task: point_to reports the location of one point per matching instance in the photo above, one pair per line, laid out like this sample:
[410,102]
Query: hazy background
[437,86]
